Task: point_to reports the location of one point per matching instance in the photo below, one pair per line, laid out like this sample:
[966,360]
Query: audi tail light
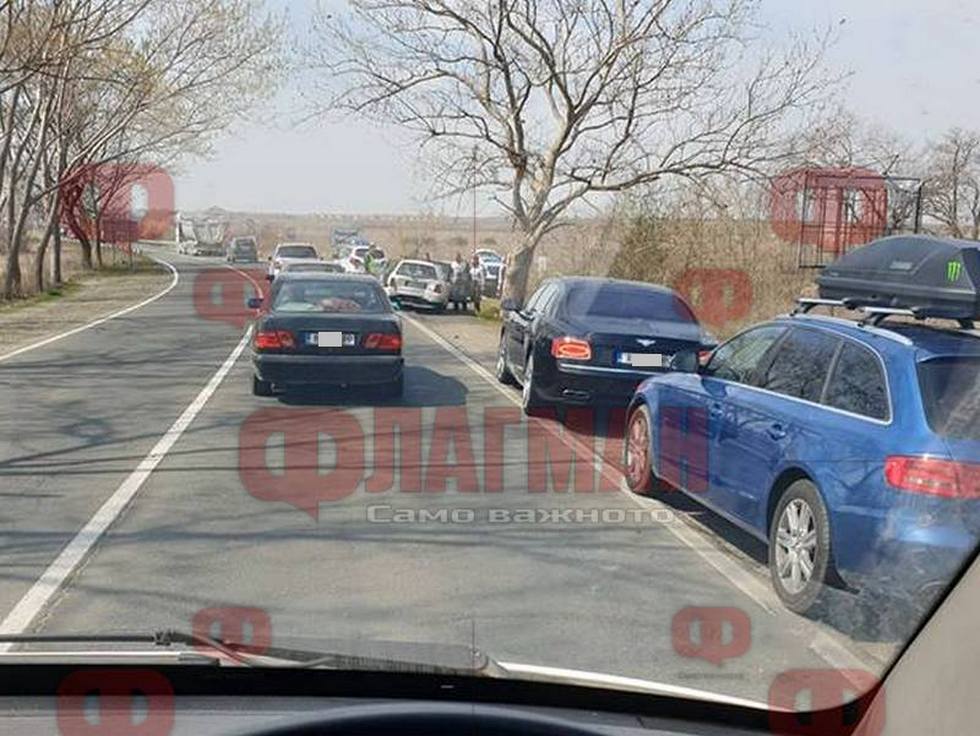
[933,476]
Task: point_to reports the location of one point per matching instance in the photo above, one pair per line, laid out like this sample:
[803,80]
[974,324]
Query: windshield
[623,302]
[507,359]
[297,251]
[951,395]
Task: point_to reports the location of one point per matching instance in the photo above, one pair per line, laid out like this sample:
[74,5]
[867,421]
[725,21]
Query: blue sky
[914,65]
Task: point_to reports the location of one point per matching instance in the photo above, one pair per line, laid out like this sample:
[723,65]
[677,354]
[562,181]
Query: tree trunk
[86,246]
[43,247]
[11,280]
[518,270]
[56,257]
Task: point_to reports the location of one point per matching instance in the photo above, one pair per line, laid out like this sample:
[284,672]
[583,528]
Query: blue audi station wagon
[852,449]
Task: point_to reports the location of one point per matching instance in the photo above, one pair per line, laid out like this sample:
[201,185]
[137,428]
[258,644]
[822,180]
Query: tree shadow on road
[423,387]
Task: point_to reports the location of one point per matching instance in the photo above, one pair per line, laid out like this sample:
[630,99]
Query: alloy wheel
[796,546]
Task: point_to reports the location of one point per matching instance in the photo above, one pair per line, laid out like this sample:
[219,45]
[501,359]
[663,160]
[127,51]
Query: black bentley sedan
[330,329]
[582,340]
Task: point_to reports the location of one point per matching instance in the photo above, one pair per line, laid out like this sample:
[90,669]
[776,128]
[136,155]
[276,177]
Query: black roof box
[932,277]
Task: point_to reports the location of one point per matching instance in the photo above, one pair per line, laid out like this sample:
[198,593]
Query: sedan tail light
[383,341]
[273,340]
[933,476]
[571,348]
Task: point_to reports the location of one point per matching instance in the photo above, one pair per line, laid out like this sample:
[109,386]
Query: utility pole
[474,198]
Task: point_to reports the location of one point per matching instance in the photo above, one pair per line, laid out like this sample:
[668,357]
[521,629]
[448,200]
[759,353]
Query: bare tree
[90,82]
[952,191]
[551,103]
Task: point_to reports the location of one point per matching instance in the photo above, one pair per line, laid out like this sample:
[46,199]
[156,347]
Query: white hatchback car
[290,252]
[417,284]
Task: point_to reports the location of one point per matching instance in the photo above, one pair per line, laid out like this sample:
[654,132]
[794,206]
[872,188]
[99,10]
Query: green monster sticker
[953,270]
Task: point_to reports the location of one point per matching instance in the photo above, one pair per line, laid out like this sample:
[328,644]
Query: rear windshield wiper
[456,660]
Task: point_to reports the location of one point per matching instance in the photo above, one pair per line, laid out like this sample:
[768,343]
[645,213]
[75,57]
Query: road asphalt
[146,424]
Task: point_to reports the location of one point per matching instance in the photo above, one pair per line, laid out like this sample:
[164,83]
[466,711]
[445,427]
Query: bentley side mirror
[685,361]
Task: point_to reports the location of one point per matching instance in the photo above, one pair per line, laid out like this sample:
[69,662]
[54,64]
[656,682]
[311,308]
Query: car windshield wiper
[365,655]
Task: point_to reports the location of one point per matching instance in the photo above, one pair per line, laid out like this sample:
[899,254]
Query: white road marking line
[101,320]
[51,580]
[823,645]
[840,658]
[740,578]
[258,288]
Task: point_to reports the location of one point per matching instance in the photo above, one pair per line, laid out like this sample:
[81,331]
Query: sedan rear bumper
[339,370]
[586,384]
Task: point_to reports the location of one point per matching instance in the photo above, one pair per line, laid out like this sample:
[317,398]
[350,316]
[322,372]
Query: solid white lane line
[101,320]
[823,644]
[724,564]
[40,594]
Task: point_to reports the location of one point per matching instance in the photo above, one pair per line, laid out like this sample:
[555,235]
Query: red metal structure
[826,211]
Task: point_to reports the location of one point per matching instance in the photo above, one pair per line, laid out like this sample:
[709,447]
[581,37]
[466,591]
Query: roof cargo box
[932,277]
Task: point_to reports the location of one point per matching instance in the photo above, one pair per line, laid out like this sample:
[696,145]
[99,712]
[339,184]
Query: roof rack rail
[805,304]
[874,314]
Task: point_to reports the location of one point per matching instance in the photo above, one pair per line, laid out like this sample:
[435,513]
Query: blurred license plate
[642,360]
[329,339]
[415,284]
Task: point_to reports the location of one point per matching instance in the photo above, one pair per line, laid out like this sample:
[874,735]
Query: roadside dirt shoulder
[80,302]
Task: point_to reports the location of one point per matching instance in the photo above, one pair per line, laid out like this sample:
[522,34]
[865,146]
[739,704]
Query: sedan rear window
[297,251]
[330,296]
[951,396]
[417,271]
[314,267]
[626,302]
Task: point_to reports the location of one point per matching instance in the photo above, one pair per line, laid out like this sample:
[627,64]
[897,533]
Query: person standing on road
[459,290]
[458,266]
[478,278]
